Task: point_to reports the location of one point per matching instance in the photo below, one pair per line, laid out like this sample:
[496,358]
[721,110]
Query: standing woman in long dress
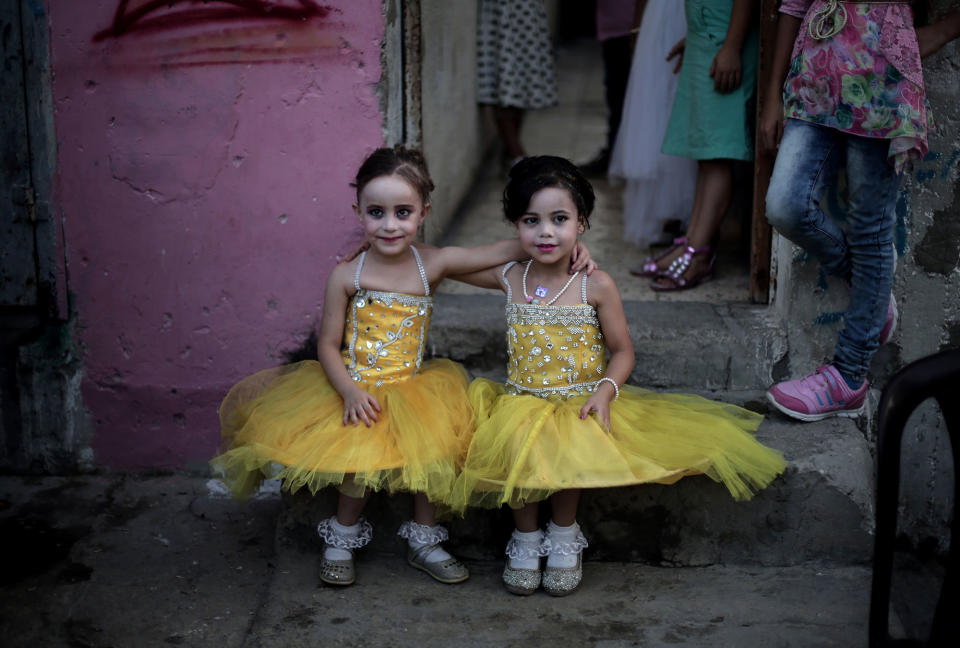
[658,188]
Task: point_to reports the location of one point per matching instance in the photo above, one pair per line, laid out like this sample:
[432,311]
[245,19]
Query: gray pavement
[166,560]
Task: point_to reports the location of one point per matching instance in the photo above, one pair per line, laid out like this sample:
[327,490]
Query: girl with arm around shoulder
[564,420]
[372,414]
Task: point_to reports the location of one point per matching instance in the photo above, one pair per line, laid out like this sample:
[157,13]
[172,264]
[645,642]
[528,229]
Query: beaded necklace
[531,300]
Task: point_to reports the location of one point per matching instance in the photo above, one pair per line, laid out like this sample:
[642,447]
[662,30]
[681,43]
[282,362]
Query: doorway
[32,269]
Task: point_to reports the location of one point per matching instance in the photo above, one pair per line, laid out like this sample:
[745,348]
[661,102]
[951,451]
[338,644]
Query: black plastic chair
[936,376]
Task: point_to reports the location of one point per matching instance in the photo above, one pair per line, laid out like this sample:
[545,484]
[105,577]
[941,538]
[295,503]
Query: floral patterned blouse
[846,82]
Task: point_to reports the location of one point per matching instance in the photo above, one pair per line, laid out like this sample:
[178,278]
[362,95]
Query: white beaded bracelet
[616,390]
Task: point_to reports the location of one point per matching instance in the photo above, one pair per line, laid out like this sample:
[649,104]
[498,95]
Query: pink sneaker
[890,325]
[818,396]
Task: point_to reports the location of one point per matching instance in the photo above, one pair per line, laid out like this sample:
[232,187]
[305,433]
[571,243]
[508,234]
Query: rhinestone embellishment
[521,581]
[533,369]
[559,581]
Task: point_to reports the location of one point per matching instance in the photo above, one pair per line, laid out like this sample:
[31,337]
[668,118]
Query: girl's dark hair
[530,175]
[406,163]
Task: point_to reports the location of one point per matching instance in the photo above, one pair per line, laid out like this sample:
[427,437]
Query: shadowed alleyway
[576,129]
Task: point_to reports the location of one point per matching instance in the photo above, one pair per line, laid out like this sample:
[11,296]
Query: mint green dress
[704,124]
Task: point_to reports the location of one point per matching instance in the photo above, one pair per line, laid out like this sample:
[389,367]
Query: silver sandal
[338,572]
[341,572]
[429,539]
[447,571]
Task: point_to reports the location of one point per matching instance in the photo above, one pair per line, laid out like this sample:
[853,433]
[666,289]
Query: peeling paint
[939,251]
[828,318]
[925,174]
[951,161]
[822,280]
[900,229]
[952,340]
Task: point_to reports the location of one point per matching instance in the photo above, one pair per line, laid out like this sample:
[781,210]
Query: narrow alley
[576,129]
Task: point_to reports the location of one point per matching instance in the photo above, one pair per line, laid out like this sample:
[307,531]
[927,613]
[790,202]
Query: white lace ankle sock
[524,549]
[421,535]
[335,553]
[564,544]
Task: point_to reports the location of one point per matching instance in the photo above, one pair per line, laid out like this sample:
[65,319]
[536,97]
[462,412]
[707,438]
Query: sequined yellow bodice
[555,351]
[384,335]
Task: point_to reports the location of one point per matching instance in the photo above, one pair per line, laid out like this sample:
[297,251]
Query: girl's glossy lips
[390,239]
[546,248]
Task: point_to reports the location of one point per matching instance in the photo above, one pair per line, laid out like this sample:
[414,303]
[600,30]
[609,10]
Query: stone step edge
[677,344]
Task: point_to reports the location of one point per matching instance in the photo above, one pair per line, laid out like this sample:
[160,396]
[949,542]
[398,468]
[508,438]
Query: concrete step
[821,509]
[679,345]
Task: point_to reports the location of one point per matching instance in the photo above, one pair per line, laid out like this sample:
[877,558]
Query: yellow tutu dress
[529,440]
[287,422]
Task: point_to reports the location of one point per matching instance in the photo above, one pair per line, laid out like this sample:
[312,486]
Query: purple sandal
[649,267]
[674,274]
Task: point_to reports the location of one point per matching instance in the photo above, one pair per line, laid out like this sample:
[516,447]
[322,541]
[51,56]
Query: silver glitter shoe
[447,571]
[341,572]
[338,572]
[561,581]
[522,582]
[523,546]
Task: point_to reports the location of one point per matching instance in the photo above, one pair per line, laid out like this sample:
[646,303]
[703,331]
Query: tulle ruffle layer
[524,448]
[287,423]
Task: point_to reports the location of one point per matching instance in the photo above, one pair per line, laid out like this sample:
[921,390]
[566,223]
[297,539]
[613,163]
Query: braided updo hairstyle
[530,175]
[409,164]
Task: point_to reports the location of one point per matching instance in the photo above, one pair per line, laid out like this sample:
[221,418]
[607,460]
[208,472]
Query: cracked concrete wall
[204,162]
[927,288]
[455,133]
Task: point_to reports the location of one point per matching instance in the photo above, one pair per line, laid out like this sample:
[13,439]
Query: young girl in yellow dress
[371,414]
[564,420]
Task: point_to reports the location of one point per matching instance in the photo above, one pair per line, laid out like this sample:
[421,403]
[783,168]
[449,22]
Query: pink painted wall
[203,169]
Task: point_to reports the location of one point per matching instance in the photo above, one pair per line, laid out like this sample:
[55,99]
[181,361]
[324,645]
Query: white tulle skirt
[658,187]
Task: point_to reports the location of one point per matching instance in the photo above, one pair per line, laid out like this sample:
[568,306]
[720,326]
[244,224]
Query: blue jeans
[861,249]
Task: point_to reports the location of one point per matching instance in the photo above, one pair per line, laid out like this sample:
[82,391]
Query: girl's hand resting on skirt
[599,403]
[360,406]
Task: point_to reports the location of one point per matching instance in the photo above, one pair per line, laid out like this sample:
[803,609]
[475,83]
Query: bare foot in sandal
[690,269]
[655,266]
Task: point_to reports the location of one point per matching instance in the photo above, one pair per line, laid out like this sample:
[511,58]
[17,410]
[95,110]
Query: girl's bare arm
[455,261]
[616,333]
[727,67]
[486,278]
[358,405]
[771,113]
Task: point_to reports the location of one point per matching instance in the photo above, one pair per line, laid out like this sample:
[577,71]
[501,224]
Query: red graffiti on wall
[211,32]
